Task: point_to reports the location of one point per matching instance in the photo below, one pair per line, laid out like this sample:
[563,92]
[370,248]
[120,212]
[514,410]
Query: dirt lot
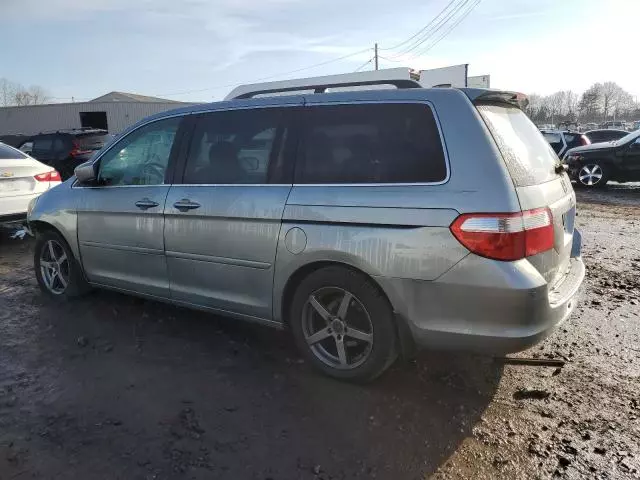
[117,387]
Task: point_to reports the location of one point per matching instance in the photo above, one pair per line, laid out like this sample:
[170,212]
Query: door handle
[185,204]
[145,204]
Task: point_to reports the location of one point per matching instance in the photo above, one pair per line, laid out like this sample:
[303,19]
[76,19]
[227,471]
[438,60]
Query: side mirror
[86,172]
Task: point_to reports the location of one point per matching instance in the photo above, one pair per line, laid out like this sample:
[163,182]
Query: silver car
[368,223]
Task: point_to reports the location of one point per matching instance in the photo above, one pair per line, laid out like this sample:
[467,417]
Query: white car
[22,179]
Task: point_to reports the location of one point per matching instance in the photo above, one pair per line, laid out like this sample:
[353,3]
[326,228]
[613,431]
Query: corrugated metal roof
[130,97]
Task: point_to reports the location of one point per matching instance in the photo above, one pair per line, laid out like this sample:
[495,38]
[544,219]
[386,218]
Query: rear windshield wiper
[561,167]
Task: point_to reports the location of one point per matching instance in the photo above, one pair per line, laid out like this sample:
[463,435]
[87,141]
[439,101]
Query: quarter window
[140,158]
[375,143]
[236,147]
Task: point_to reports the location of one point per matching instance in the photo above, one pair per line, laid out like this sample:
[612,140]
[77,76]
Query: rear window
[92,142]
[529,158]
[376,143]
[8,153]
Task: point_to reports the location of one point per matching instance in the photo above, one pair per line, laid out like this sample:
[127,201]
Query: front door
[630,164]
[222,219]
[120,219]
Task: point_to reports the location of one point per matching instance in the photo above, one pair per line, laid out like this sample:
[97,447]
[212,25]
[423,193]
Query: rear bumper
[13,218]
[485,306]
[16,205]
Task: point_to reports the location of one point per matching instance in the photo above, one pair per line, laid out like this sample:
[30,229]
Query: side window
[596,137]
[572,139]
[612,136]
[43,144]
[371,143]
[140,158]
[236,147]
[58,145]
[555,140]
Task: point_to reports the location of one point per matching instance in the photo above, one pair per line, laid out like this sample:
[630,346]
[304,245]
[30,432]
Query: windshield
[628,138]
[10,153]
[529,157]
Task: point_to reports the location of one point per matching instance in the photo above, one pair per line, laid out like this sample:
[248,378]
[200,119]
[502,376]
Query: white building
[114,112]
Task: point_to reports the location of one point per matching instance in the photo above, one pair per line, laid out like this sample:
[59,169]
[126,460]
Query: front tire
[343,324]
[592,175]
[57,271]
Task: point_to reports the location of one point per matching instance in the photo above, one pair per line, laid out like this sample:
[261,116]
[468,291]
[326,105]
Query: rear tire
[592,175]
[57,271]
[343,324]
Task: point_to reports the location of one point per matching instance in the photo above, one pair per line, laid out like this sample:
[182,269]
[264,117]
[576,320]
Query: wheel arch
[41,226]
[403,333]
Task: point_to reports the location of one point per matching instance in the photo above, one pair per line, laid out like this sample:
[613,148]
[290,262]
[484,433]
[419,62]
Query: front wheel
[57,271]
[343,324]
[592,175]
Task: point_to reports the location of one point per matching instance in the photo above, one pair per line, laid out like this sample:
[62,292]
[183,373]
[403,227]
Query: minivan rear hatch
[538,177]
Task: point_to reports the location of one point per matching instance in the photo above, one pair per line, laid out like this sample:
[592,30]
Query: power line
[442,22]
[447,32]
[390,59]
[421,30]
[218,87]
[363,65]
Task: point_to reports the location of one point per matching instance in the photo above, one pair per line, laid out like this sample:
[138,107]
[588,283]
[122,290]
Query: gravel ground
[116,387]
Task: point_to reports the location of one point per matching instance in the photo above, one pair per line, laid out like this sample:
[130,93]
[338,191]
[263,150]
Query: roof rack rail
[398,77]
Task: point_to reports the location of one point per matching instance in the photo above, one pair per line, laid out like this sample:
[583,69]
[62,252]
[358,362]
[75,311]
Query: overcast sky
[182,49]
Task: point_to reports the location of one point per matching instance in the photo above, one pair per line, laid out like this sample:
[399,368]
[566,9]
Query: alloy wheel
[337,328]
[590,175]
[54,267]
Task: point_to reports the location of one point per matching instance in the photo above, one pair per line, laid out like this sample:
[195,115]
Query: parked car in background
[563,140]
[598,136]
[15,140]
[614,125]
[337,216]
[27,147]
[22,179]
[592,166]
[636,125]
[589,126]
[64,150]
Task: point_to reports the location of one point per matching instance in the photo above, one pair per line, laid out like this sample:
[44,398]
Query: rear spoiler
[516,99]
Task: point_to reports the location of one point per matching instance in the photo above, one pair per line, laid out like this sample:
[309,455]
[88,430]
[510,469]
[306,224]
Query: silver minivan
[368,223]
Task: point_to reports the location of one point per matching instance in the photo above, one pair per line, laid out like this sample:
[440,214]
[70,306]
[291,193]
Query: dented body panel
[241,251]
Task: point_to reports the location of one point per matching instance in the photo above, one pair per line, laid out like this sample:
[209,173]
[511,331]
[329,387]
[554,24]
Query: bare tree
[623,104]
[555,104]
[571,106]
[14,94]
[590,102]
[533,107]
[610,93]
[38,95]
[22,97]
[7,92]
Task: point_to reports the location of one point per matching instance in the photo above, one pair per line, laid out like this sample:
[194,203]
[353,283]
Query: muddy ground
[116,387]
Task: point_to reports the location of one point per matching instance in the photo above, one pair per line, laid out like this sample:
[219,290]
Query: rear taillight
[505,236]
[76,149]
[584,140]
[52,176]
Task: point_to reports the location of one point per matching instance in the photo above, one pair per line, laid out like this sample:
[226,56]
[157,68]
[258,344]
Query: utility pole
[375,55]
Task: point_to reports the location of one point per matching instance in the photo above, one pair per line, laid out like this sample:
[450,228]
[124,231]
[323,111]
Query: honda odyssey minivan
[368,223]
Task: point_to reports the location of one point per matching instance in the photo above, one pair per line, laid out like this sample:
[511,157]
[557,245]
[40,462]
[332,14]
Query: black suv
[597,136]
[64,150]
[594,165]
